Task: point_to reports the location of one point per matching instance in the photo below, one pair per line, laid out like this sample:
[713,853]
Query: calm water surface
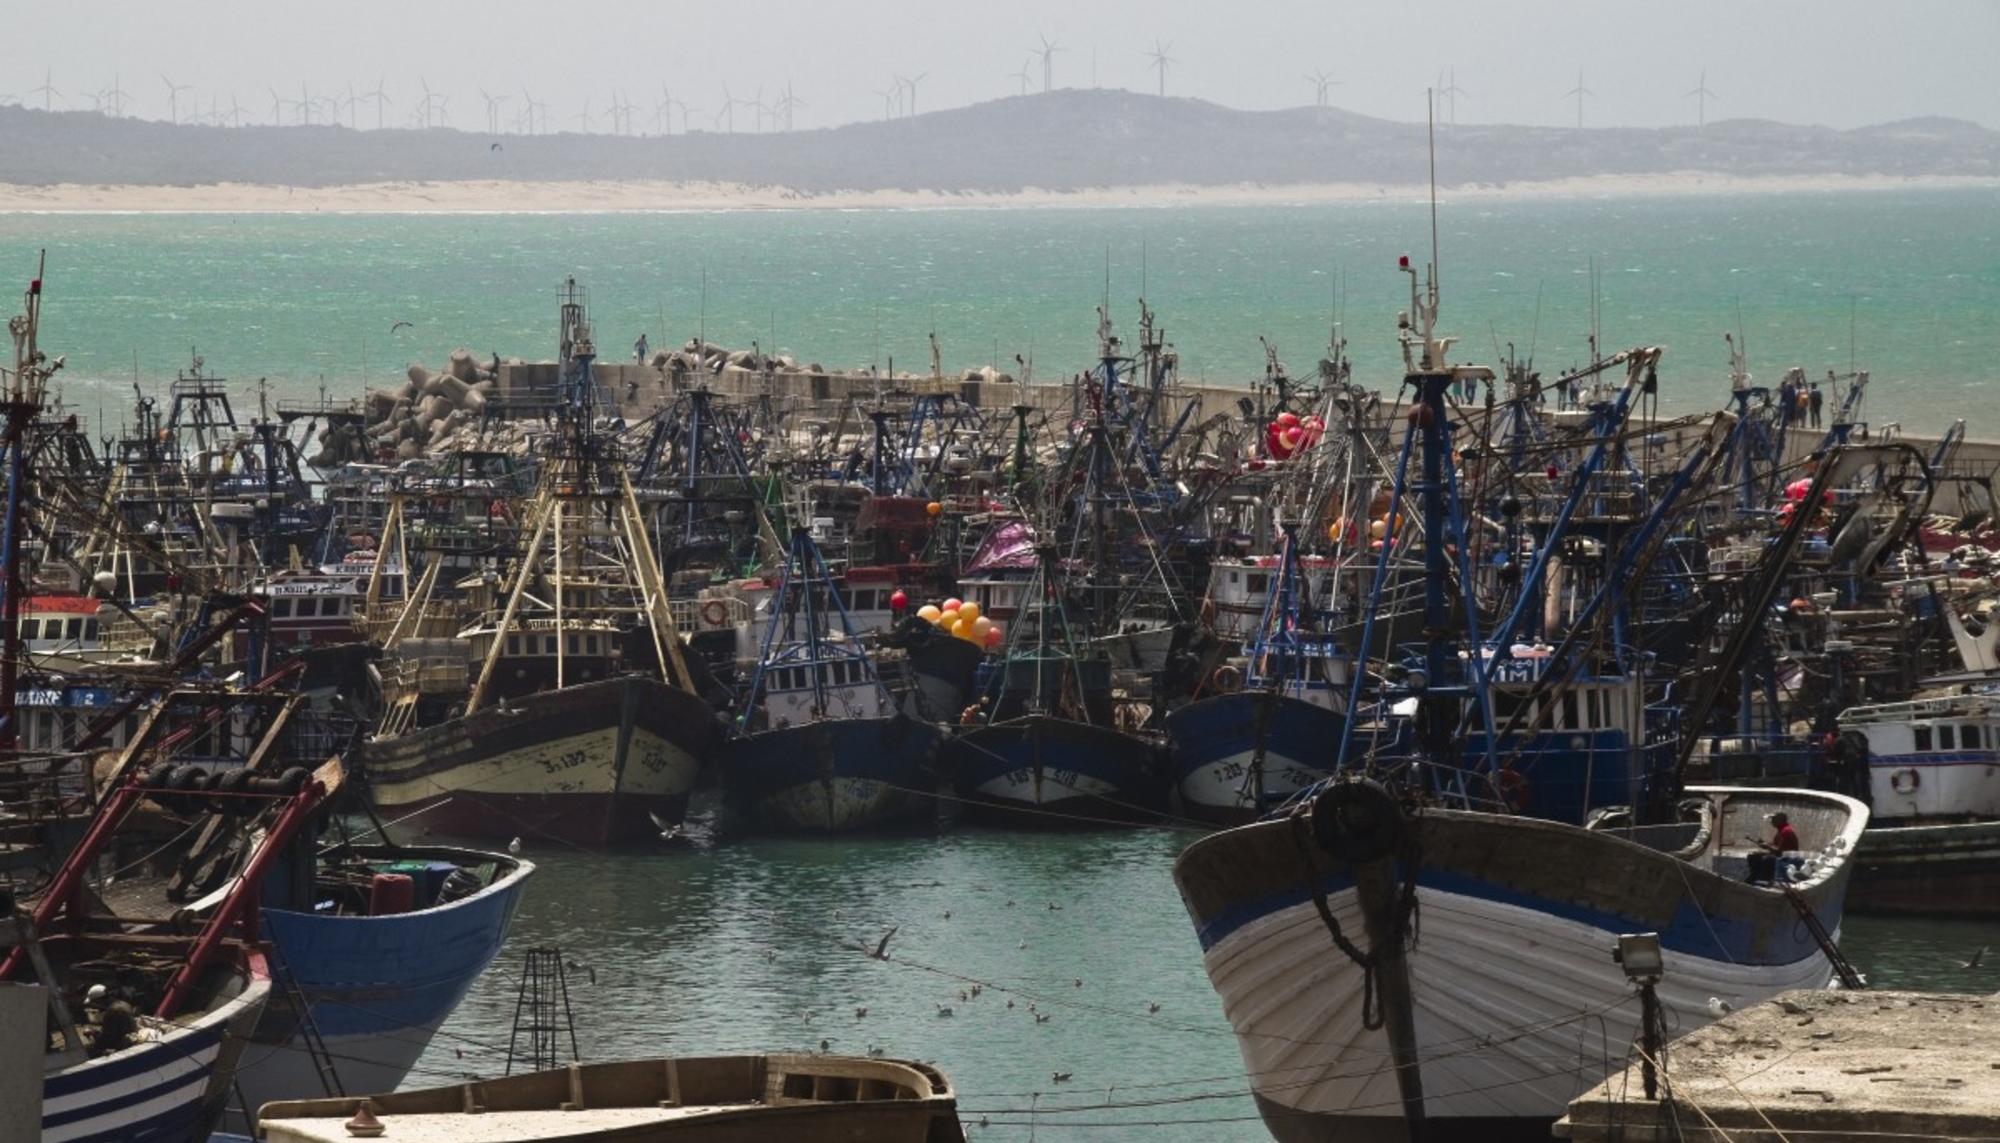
[741,947]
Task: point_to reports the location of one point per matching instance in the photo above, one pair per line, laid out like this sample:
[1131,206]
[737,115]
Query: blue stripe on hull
[158,1054]
[1212,740]
[835,775]
[1048,766]
[128,1083]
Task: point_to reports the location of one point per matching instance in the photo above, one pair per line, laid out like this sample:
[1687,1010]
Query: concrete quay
[1882,1066]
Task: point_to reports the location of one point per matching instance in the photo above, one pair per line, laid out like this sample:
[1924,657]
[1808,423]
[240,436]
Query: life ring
[715,613]
[1512,787]
[1905,781]
[1226,680]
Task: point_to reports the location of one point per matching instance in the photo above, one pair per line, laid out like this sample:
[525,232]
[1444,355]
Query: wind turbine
[1451,91]
[1160,60]
[663,112]
[277,106]
[425,105]
[728,112]
[528,101]
[1022,75]
[685,112]
[1579,91]
[235,111]
[1321,81]
[892,98]
[583,118]
[381,99]
[48,91]
[116,96]
[305,105]
[1048,52]
[1701,95]
[788,101]
[912,83]
[493,103]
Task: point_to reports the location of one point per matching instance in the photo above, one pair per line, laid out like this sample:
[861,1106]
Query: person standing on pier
[1814,400]
[1788,402]
[639,349]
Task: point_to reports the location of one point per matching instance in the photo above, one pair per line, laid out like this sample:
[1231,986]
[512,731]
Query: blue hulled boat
[1046,751]
[824,747]
[1238,752]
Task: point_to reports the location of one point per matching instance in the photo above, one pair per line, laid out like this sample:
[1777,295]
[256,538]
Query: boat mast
[23,403]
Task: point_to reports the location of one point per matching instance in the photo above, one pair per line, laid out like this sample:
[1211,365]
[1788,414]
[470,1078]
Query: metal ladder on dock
[1850,977]
[282,978]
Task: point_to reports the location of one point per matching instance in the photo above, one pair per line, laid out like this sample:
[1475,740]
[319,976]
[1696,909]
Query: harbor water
[759,943]
[305,299]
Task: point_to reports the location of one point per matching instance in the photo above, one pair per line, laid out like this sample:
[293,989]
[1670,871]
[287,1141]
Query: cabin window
[90,630]
[1258,583]
[73,629]
[590,644]
[548,644]
[1968,736]
[1569,714]
[513,644]
[573,643]
[1944,738]
[1594,703]
[1235,577]
[308,607]
[281,609]
[1923,735]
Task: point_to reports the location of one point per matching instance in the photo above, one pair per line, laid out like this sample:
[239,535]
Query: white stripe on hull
[1516,1012]
[133,1084]
[1225,782]
[134,1115]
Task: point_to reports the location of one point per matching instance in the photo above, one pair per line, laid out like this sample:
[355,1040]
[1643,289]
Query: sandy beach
[475,197]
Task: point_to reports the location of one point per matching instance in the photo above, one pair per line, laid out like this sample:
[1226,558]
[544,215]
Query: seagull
[1153,1006]
[860,1011]
[825,1044]
[977,989]
[947,914]
[1717,1006]
[514,847]
[1078,982]
[580,966]
[770,955]
[1976,958]
[401,325]
[1792,1007]
[1022,945]
[875,1051]
[1054,908]
[882,946]
[944,1009]
[1059,1077]
[668,830]
[1010,1002]
[963,996]
[1041,1017]
[492,148]
[503,707]
[96,995]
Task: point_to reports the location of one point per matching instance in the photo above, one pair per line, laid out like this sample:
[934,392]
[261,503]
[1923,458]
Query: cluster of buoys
[1289,433]
[961,619]
[1795,495]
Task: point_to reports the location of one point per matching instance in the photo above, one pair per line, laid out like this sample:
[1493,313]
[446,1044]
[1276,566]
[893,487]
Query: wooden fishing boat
[705,1099]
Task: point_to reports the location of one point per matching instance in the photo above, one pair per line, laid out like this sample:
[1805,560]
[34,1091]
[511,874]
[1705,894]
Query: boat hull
[1512,972]
[1226,749]
[593,764]
[835,775]
[1947,870]
[1038,771]
[378,987]
[170,1090]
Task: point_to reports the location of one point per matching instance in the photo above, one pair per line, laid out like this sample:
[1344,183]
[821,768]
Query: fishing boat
[1496,828]
[698,1099]
[583,722]
[825,748]
[1264,734]
[381,948]
[1934,846]
[1352,1028]
[150,1018]
[1044,749]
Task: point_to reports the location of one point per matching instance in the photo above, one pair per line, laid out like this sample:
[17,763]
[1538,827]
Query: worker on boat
[1778,858]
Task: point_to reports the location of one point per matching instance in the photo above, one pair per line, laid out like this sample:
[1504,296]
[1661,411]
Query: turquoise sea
[310,299]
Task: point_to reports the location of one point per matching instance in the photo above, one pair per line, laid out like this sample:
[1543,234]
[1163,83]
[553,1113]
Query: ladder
[283,979]
[1850,977]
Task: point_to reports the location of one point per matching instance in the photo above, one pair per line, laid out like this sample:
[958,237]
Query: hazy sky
[1843,63]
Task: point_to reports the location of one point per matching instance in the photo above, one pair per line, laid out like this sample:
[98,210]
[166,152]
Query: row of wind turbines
[620,115]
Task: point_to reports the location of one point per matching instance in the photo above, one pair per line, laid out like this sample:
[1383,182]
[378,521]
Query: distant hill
[1063,140]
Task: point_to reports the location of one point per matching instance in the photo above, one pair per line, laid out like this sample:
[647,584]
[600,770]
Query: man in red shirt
[1780,854]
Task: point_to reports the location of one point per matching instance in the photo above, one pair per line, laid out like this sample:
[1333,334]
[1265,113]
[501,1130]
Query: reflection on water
[756,945]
